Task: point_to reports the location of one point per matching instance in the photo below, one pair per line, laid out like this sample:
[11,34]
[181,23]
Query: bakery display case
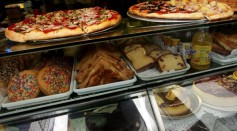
[114,85]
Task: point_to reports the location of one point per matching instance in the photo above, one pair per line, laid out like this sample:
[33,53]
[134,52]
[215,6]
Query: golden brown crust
[38,35]
[220,16]
[14,36]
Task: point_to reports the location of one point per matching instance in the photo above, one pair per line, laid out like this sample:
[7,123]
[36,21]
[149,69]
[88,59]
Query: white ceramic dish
[39,100]
[226,108]
[195,106]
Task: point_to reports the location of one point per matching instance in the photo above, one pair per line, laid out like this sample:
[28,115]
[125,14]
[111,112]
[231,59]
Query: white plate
[39,100]
[222,60]
[153,73]
[163,20]
[222,108]
[195,106]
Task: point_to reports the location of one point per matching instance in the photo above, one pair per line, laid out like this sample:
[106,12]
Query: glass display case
[141,103]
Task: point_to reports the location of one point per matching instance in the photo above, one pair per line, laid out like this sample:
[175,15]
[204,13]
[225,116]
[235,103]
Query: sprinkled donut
[23,86]
[54,80]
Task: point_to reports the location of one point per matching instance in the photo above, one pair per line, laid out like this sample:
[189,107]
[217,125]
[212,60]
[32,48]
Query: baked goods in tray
[101,64]
[173,102]
[139,58]
[228,42]
[55,77]
[23,86]
[171,61]
[48,77]
[144,56]
[63,23]
[155,54]
[217,90]
[12,65]
[180,9]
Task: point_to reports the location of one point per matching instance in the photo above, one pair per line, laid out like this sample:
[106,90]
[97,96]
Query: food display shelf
[128,28]
[125,29]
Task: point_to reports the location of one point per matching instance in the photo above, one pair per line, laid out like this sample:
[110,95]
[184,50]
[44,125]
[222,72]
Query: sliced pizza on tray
[182,9]
[62,24]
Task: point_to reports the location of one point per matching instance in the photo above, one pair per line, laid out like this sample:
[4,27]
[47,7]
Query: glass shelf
[127,28]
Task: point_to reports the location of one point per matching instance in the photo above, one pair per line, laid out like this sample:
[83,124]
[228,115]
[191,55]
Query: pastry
[170,62]
[173,102]
[155,54]
[101,66]
[23,86]
[228,42]
[219,49]
[54,80]
[149,47]
[139,59]
[8,69]
[217,90]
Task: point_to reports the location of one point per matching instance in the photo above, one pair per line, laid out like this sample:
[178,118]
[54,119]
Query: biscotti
[170,62]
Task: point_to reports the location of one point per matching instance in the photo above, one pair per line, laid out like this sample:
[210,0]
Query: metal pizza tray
[164,20]
[75,37]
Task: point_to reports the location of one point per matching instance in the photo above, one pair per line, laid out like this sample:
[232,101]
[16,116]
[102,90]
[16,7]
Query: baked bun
[23,86]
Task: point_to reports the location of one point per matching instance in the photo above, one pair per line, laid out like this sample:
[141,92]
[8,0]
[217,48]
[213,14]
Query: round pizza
[182,9]
[63,23]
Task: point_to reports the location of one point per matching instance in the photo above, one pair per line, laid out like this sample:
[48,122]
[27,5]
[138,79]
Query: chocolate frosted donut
[23,86]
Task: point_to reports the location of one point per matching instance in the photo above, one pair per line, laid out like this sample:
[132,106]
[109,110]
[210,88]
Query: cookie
[23,86]
[8,70]
[54,80]
[65,63]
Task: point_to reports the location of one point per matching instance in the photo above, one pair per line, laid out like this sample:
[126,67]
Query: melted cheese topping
[70,19]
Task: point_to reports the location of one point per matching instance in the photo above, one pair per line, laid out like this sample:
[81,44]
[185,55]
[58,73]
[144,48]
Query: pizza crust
[14,36]
[220,16]
[38,35]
